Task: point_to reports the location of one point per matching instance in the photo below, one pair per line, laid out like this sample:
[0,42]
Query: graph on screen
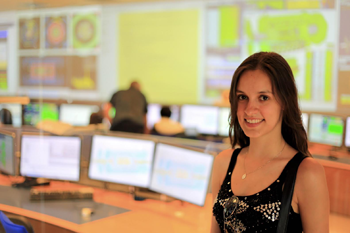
[181,173]
[77,115]
[121,160]
[326,129]
[7,155]
[202,118]
[35,112]
[53,157]
[347,132]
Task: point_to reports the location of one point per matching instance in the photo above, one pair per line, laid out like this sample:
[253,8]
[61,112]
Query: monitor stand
[30,182]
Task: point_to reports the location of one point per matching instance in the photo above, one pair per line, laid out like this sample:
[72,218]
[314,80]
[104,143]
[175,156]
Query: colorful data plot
[121,160]
[82,72]
[181,173]
[306,39]
[45,71]
[86,31]
[56,32]
[29,33]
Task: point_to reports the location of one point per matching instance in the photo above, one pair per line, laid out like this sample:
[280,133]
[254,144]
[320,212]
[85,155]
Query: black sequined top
[255,213]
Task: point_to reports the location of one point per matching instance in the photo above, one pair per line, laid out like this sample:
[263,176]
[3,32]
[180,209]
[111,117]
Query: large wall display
[160,49]
[302,32]
[86,31]
[82,73]
[3,59]
[45,71]
[56,32]
[29,33]
[75,72]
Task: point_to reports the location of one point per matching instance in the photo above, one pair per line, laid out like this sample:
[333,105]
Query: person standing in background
[130,110]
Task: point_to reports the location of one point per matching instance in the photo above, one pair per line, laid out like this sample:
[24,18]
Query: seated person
[5,117]
[166,126]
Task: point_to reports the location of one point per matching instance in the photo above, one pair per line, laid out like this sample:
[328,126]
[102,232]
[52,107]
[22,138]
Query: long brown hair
[283,86]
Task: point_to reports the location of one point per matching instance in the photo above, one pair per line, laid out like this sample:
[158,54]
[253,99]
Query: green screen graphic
[3,153]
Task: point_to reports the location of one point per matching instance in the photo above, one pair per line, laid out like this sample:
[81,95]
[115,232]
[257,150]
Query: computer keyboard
[39,195]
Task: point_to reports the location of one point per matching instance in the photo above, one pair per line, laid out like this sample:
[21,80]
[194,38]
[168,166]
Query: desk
[144,216]
[157,216]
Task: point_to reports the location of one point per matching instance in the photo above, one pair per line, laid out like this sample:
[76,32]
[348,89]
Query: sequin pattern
[254,213]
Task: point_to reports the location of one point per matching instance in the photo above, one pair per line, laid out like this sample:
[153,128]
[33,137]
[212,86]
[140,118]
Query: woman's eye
[264,97]
[242,97]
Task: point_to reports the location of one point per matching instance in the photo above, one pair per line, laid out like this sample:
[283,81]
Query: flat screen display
[347,132]
[224,125]
[181,173]
[202,118]
[16,112]
[7,154]
[326,129]
[35,112]
[52,157]
[76,114]
[121,160]
[153,114]
[305,119]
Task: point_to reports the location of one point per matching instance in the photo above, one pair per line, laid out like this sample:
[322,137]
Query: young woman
[265,122]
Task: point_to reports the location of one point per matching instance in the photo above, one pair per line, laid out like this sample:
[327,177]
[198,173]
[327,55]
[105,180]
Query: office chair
[15,224]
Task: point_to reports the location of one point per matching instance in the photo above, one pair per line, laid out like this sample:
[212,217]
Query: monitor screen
[305,119]
[224,124]
[35,112]
[121,160]
[326,129]
[16,112]
[53,157]
[76,114]
[7,154]
[347,132]
[203,118]
[153,114]
[181,173]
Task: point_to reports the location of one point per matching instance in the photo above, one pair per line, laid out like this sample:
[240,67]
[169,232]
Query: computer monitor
[52,157]
[16,112]
[35,112]
[305,119]
[7,153]
[203,118]
[224,124]
[121,160]
[153,114]
[326,129]
[347,132]
[77,114]
[181,173]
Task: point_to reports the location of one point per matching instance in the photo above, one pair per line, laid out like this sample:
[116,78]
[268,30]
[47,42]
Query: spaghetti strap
[233,160]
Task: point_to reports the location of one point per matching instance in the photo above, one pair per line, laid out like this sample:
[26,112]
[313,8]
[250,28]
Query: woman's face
[258,111]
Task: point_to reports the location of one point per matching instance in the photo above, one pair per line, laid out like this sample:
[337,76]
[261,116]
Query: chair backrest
[18,227]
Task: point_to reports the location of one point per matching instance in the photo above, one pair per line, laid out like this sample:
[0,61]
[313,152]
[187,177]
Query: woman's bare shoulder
[224,156]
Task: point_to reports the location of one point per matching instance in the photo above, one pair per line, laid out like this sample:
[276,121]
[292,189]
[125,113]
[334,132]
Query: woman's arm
[219,170]
[312,197]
